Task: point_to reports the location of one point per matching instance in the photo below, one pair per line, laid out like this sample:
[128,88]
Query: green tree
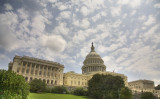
[80,91]
[59,90]
[37,85]
[147,95]
[125,93]
[157,87]
[105,86]
[12,86]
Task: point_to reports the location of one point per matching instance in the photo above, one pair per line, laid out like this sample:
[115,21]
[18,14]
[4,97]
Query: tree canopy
[37,85]
[13,86]
[105,86]
[147,95]
[125,93]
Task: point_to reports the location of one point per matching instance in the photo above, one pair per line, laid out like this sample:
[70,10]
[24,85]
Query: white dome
[93,62]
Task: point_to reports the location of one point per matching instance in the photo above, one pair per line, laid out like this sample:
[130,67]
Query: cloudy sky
[126,33]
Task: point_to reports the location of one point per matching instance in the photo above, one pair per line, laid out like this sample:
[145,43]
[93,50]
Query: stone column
[25,69]
[46,71]
[30,66]
[20,71]
[38,69]
[34,67]
[50,72]
[42,71]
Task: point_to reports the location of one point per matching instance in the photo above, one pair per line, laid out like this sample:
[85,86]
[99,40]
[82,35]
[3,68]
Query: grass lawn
[54,96]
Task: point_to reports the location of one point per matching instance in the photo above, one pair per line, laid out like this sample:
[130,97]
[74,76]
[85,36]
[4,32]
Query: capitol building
[52,72]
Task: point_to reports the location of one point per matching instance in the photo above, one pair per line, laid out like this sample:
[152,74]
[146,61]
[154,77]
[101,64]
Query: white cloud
[8,7]
[148,35]
[123,2]
[85,23]
[151,20]
[38,24]
[62,7]
[54,43]
[133,12]
[101,48]
[133,3]
[61,29]
[115,11]
[65,15]
[84,10]
[110,64]
[96,17]
[8,39]
[22,13]
[157,5]
[142,18]
[51,1]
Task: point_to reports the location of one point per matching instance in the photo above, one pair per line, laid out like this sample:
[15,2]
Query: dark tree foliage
[105,86]
[80,92]
[37,86]
[147,95]
[12,86]
[125,93]
[157,87]
[59,90]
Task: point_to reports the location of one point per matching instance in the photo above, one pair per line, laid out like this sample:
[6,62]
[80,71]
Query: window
[26,78]
[51,81]
[31,79]
[47,81]
[78,82]
[56,82]
[44,80]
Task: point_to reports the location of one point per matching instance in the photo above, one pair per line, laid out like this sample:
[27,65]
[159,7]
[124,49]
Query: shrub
[59,90]
[48,89]
[80,92]
[12,86]
[147,95]
[37,86]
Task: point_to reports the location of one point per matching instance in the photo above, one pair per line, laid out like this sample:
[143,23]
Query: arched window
[26,78]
